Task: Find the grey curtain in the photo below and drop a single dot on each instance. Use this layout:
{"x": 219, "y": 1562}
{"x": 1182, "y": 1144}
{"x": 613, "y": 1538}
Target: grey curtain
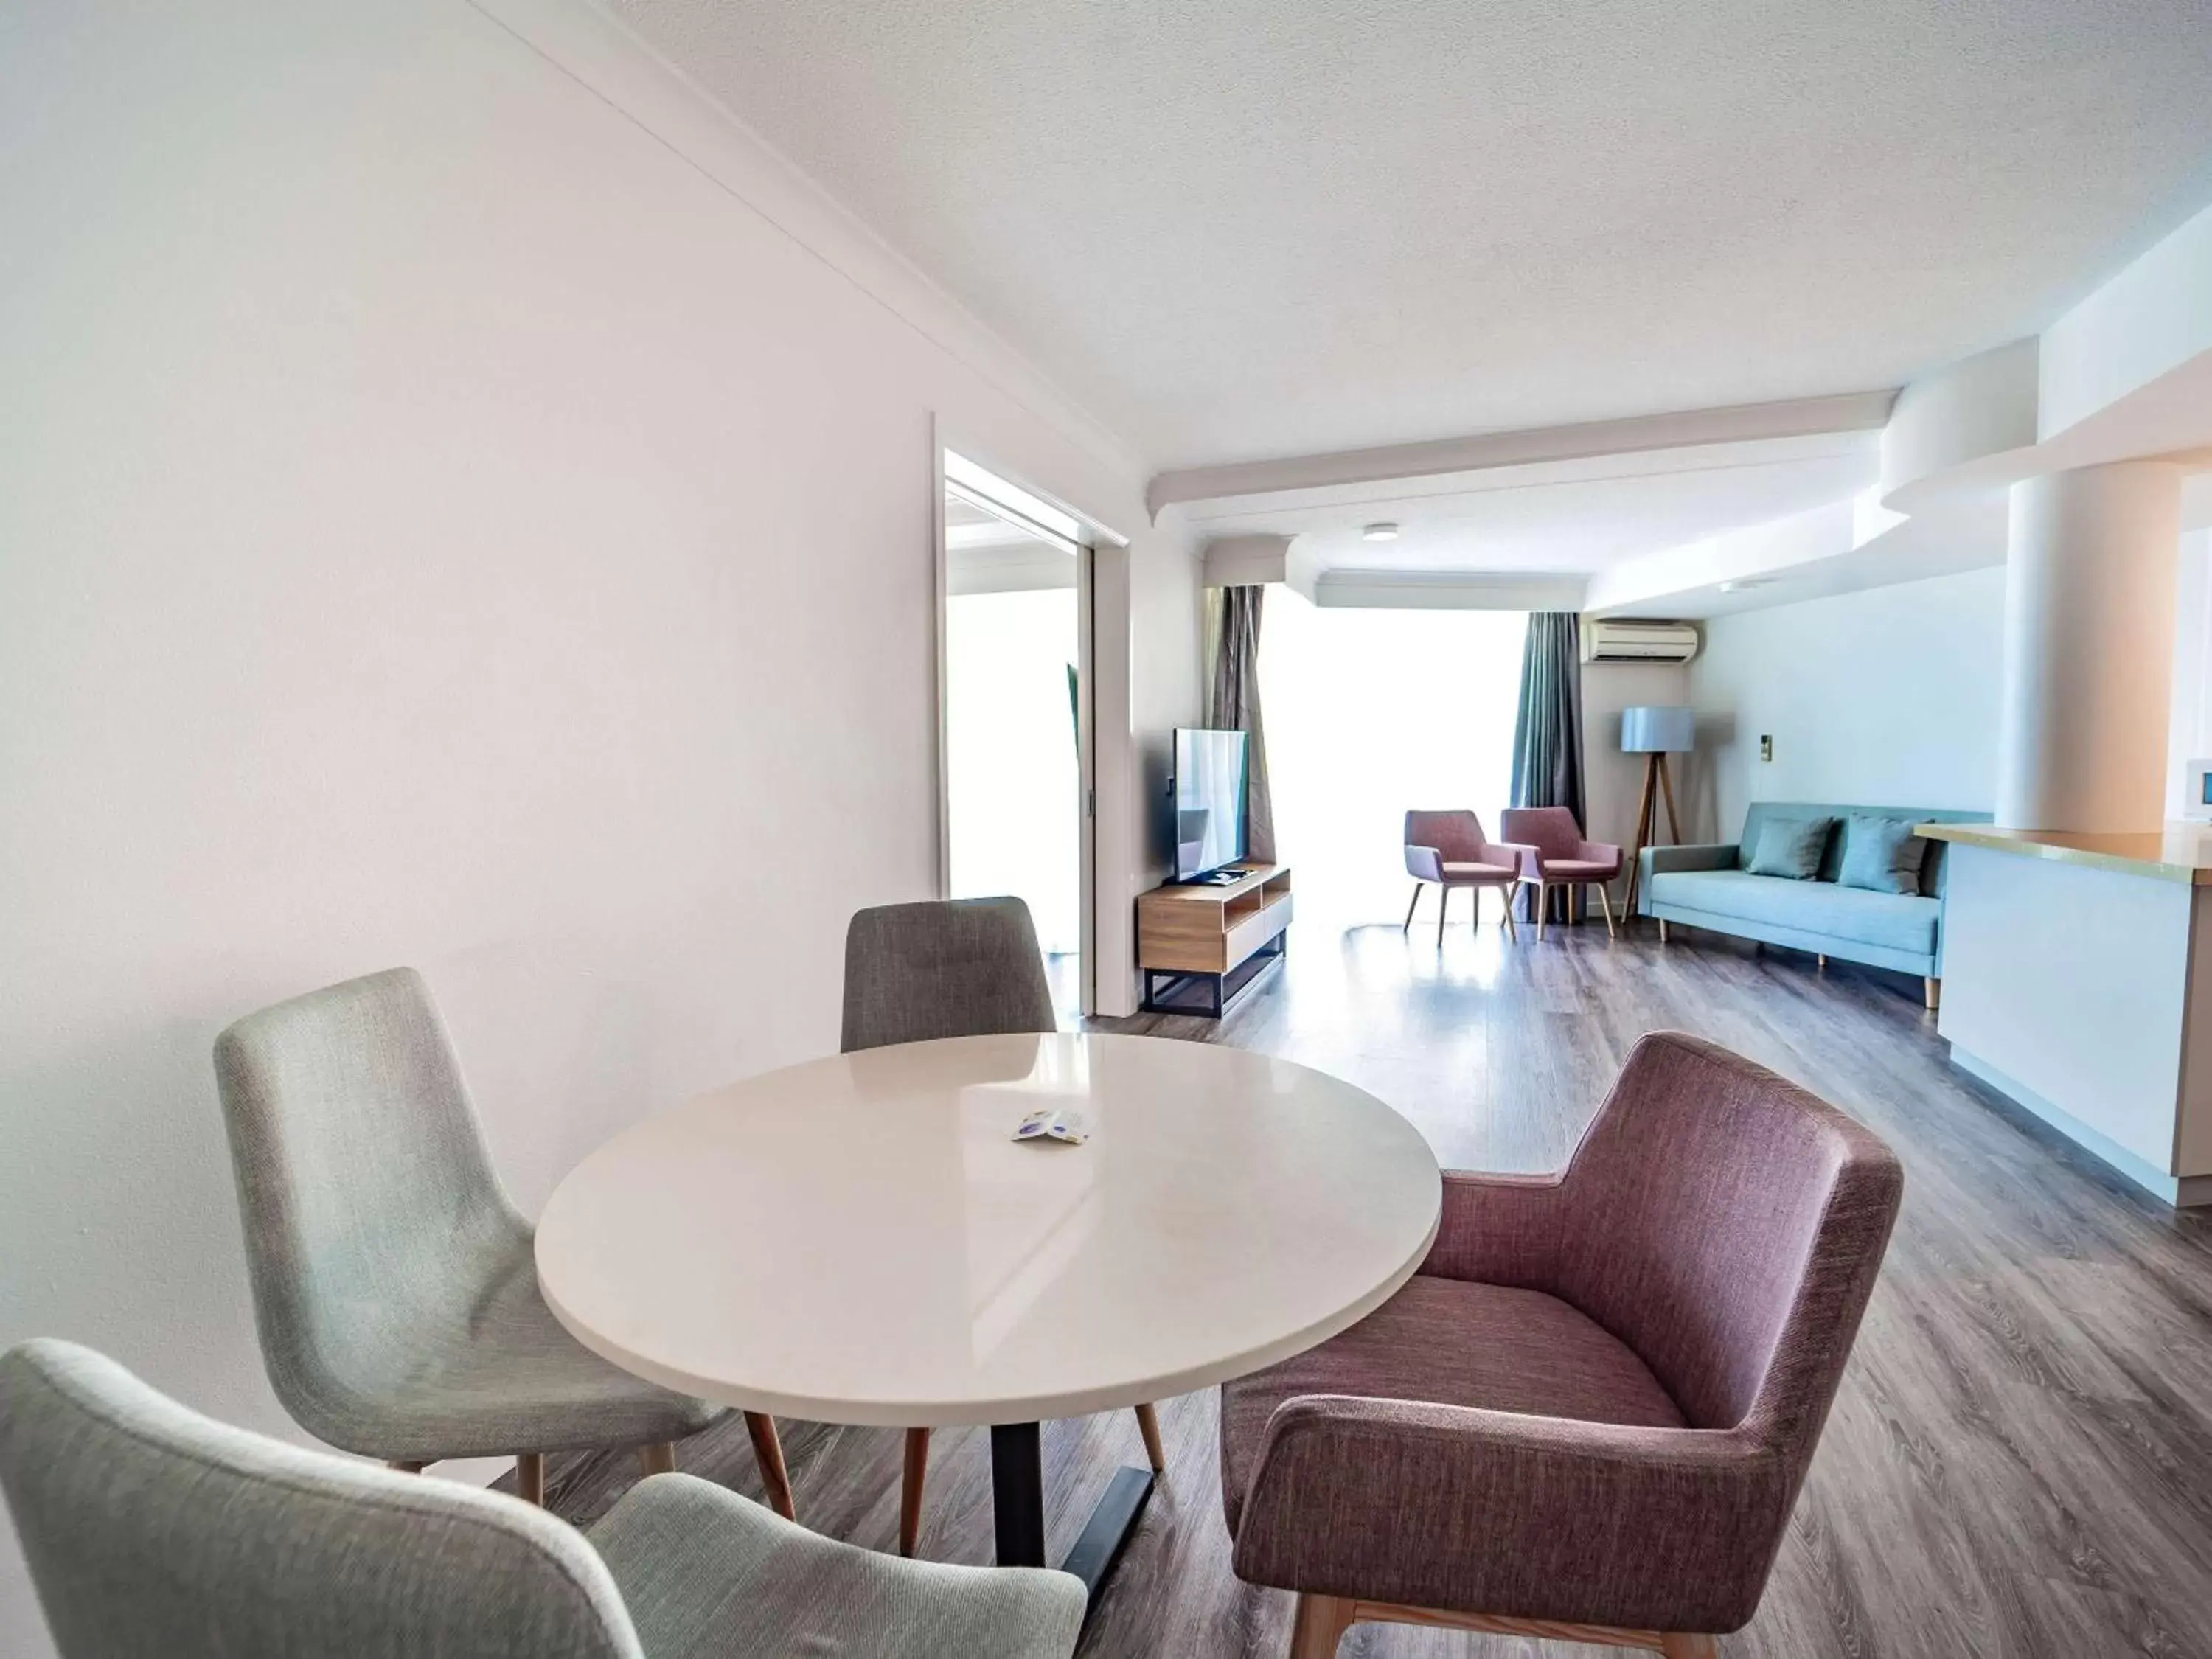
{"x": 1548, "y": 730}
{"x": 1233, "y": 705}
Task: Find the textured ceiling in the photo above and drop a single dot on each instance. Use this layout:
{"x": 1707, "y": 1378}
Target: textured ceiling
{"x": 1579, "y": 518}
{"x": 1240, "y": 228}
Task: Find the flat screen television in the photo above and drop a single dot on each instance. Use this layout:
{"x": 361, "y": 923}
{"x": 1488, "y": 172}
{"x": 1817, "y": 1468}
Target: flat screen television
{"x": 1209, "y": 801}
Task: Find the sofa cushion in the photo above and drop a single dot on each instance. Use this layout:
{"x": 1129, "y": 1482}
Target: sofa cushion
{"x": 1453, "y": 1343}
{"x": 1897, "y": 921}
{"x": 1791, "y": 848}
{"x": 1881, "y": 854}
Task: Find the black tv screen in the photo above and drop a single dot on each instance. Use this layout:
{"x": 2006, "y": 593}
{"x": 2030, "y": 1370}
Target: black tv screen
{"x": 1209, "y": 800}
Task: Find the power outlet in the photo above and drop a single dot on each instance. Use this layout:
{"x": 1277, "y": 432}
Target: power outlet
{"x": 1765, "y": 748}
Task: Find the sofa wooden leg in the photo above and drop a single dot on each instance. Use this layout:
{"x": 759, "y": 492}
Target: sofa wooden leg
{"x": 529, "y": 1477}
{"x": 1320, "y": 1626}
{"x": 1678, "y": 1644}
{"x": 1932, "y": 989}
{"x": 1822, "y": 963}
{"x": 1662, "y": 930}
{"x": 658, "y": 1458}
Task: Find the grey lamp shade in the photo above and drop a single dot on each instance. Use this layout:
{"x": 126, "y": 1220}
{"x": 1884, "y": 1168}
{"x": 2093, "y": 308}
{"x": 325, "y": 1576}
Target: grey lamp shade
{"x": 1666, "y": 729}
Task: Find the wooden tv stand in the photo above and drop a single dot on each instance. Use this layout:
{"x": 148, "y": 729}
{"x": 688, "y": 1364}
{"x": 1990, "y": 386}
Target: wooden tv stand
{"x": 1199, "y": 946}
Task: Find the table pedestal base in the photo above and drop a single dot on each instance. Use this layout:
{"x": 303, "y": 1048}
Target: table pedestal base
{"x": 1017, "y": 1509}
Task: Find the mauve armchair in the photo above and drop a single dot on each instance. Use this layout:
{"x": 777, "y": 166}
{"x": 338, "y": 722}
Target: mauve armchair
{"x": 1450, "y": 850}
{"x": 1587, "y": 1417}
{"x": 1558, "y": 856}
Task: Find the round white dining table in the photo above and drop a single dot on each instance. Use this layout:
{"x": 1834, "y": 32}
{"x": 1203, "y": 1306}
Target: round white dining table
{"x": 860, "y": 1239}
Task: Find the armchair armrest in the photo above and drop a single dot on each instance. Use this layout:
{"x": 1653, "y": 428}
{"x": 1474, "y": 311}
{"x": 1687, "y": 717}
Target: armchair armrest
{"x": 1597, "y": 851}
{"x": 1659, "y": 860}
{"x": 1423, "y": 863}
{"x": 1531, "y": 1517}
{"x": 1499, "y": 1229}
{"x": 1527, "y": 861}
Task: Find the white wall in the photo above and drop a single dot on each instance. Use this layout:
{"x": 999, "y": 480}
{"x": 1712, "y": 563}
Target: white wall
{"x": 440, "y": 522}
{"x": 1884, "y": 698}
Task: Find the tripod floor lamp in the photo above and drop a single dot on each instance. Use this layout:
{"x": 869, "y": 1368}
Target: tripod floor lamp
{"x": 1654, "y": 731}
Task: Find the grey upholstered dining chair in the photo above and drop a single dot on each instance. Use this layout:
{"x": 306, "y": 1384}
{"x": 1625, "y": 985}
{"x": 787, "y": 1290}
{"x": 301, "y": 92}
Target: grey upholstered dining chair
{"x": 1587, "y": 1415}
{"x": 949, "y": 968}
{"x": 1449, "y": 850}
{"x": 394, "y": 1287}
{"x": 1556, "y": 855}
{"x": 152, "y": 1533}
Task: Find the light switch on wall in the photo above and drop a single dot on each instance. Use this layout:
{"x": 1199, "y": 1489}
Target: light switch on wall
{"x": 1765, "y": 747}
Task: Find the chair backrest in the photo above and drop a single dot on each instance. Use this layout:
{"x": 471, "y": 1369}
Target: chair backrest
{"x": 943, "y": 968}
{"x": 1728, "y": 1226}
{"x": 152, "y": 1531}
{"x": 1457, "y": 835}
{"x": 1551, "y": 830}
{"x": 365, "y": 1189}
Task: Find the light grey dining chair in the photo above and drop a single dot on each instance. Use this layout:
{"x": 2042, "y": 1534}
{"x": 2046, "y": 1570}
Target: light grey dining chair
{"x": 394, "y": 1286}
{"x": 155, "y": 1533}
{"x": 949, "y": 968}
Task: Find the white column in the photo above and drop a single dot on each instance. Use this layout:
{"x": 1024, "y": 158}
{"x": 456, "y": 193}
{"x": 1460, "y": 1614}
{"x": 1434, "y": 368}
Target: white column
{"x": 2088, "y": 648}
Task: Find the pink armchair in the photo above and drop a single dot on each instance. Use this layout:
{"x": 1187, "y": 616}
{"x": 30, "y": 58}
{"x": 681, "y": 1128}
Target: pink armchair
{"x": 1587, "y": 1416}
{"x": 1558, "y": 856}
{"x": 1450, "y": 850}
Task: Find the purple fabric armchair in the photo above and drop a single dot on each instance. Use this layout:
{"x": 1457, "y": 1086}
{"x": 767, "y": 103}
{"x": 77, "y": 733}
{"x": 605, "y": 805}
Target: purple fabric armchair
{"x": 1558, "y": 856}
{"x": 1450, "y": 850}
{"x": 1587, "y": 1416}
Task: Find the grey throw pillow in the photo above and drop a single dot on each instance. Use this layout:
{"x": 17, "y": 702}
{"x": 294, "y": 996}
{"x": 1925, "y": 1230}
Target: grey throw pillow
{"x": 1790, "y": 848}
{"x": 1881, "y": 854}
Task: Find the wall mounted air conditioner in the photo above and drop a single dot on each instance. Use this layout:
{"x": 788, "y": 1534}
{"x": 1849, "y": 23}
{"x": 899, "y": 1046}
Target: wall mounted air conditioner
{"x": 1627, "y": 639}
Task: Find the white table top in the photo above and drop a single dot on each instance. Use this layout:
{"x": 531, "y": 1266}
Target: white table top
{"x": 858, "y": 1239}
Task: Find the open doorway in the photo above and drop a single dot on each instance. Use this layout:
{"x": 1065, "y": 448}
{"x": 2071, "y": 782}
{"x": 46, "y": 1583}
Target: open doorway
{"x": 1015, "y": 731}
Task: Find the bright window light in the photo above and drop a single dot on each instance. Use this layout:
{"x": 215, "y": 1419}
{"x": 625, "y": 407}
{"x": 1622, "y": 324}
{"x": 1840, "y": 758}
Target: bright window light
{"x": 1011, "y": 754}
{"x": 1368, "y": 714}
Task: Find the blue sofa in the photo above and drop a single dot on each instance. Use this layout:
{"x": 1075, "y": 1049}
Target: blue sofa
{"x": 1708, "y": 887}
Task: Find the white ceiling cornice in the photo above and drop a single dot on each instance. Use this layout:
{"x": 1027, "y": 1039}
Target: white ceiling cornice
{"x": 602, "y": 53}
{"x": 1855, "y": 411}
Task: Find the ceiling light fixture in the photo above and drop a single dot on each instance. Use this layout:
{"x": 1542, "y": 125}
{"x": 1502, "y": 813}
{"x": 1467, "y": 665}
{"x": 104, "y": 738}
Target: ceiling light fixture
{"x": 1385, "y": 532}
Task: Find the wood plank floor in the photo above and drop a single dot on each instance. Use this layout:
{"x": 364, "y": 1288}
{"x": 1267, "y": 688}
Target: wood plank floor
{"x": 2020, "y": 1462}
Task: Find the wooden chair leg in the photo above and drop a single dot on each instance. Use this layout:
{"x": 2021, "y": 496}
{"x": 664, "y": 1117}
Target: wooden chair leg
{"x": 1605, "y": 904}
{"x": 658, "y": 1458}
{"x": 911, "y": 1477}
{"x": 1511, "y": 932}
{"x": 1932, "y": 992}
{"x": 529, "y": 1477}
{"x": 1543, "y": 894}
{"x": 768, "y": 1452}
{"x": 1148, "y": 1425}
{"x": 1678, "y": 1644}
{"x": 1320, "y": 1626}
{"x": 1410, "y": 908}
{"x": 1444, "y": 901}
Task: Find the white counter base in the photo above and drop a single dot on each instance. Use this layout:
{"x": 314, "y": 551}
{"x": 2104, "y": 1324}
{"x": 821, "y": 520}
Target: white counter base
{"x": 2180, "y": 1191}
{"x": 2084, "y": 992}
